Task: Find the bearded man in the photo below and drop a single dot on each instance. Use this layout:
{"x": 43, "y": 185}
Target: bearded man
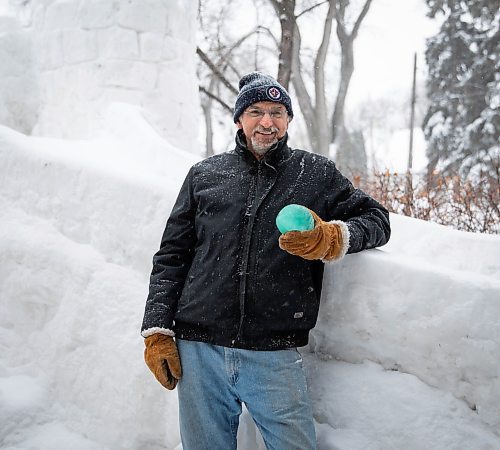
{"x": 231, "y": 298}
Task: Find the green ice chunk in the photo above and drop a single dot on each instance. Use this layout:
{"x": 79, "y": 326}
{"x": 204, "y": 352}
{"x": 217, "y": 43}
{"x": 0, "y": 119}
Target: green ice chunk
{"x": 294, "y": 218}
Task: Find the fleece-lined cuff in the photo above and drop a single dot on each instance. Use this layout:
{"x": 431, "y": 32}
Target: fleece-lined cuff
{"x": 155, "y": 330}
{"x": 344, "y": 231}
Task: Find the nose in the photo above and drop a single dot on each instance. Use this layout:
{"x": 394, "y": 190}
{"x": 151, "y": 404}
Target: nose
{"x": 266, "y": 120}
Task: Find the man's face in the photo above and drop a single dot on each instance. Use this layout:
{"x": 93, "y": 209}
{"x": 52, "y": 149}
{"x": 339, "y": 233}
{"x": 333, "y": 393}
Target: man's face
{"x": 263, "y": 124}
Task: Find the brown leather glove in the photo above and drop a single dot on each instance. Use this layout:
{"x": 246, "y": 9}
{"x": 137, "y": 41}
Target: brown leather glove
{"x": 324, "y": 241}
{"x": 162, "y": 358}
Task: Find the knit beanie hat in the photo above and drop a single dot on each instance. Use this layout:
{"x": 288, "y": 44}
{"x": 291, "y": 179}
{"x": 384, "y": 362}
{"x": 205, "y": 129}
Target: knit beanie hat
{"x": 259, "y": 87}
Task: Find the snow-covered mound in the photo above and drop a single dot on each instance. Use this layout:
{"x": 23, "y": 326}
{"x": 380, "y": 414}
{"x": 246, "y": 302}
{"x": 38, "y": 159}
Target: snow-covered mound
{"x": 79, "y": 224}
{"x": 415, "y": 313}
{"x": 405, "y": 350}
{"x": 430, "y": 308}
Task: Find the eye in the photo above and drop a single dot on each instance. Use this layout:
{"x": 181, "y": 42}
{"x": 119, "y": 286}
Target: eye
{"x": 255, "y": 113}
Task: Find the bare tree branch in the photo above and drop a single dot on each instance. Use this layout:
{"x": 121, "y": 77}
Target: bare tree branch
{"x": 216, "y": 98}
{"x": 340, "y": 7}
{"x": 311, "y": 8}
{"x": 215, "y": 70}
{"x": 362, "y": 15}
{"x": 339, "y": 18}
{"x": 224, "y": 58}
{"x": 270, "y": 33}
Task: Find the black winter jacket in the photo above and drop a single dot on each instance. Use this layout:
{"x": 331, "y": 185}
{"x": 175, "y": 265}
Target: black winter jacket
{"x": 220, "y": 276}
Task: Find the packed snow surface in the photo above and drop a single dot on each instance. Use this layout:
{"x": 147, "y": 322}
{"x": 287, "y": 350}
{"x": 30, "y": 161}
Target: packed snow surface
{"x": 404, "y": 355}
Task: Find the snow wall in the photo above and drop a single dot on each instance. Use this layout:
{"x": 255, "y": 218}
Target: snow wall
{"x": 80, "y": 221}
{"x": 19, "y": 90}
{"x": 72, "y": 58}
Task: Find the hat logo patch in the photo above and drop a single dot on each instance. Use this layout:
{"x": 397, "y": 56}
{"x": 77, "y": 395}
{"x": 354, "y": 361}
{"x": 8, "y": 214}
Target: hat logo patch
{"x": 273, "y": 93}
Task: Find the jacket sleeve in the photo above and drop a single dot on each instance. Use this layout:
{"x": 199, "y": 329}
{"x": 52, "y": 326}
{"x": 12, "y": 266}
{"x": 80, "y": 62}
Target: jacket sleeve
{"x": 366, "y": 220}
{"x": 171, "y": 264}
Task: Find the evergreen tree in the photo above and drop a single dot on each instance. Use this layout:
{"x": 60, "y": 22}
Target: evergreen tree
{"x": 463, "y": 121}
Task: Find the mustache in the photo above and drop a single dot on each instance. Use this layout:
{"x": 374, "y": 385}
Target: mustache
{"x": 261, "y": 129}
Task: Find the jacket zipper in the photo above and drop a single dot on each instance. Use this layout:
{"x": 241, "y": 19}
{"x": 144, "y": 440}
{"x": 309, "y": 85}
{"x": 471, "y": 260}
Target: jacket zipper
{"x": 252, "y": 207}
{"x": 250, "y": 211}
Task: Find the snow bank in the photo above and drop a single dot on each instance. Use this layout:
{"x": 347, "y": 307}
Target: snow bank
{"x": 363, "y": 406}
{"x": 112, "y": 193}
{"x": 80, "y": 222}
{"x": 415, "y": 316}
{"x": 70, "y": 338}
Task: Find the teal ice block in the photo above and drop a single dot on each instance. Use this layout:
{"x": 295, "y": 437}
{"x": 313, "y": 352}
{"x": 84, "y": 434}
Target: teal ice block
{"x": 294, "y": 218}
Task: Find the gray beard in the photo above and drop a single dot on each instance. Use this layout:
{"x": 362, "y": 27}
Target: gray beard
{"x": 260, "y": 149}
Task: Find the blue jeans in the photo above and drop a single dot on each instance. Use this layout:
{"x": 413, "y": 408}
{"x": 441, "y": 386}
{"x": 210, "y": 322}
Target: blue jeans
{"x": 217, "y": 380}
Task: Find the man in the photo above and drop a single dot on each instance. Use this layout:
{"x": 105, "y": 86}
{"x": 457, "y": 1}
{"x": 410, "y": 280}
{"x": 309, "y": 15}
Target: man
{"x": 238, "y": 297}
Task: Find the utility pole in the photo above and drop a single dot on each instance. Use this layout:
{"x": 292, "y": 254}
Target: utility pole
{"x": 412, "y": 113}
{"x": 409, "y": 179}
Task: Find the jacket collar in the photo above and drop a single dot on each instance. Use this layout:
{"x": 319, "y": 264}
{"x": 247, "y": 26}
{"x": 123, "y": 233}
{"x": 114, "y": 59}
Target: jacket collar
{"x": 276, "y": 154}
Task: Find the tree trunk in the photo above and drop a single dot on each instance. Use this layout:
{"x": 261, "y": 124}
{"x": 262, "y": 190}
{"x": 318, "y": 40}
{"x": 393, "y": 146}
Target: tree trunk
{"x": 322, "y": 128}
{"x": 285, "y": 10}
{"x": 315, "y": 116}
{"x": 347, "y": 61}
{"x": 206, "y": 106}
{"x": 303, "y": 98}
{"x": 207, "y": 113}
{"x": 346, "y": 70}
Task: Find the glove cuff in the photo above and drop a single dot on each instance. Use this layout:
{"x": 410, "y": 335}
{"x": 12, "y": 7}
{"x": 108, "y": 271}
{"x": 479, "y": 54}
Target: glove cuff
{"x": 344, "y": 231}
{"x": 157, "y": 330}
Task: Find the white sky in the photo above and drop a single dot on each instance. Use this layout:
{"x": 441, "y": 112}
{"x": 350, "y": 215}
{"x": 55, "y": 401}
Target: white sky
{"x": 392, "y": 31}
{"x": 389, "y": 35}
{"x": 4, "y": 7}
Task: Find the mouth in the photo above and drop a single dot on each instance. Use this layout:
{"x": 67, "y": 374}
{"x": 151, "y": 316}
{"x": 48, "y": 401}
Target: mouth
{"x": 266, "y": 132}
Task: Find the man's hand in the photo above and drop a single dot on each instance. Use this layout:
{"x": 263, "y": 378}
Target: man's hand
{"x": 325, "y": 241}
{"x": 162, "y": 358}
